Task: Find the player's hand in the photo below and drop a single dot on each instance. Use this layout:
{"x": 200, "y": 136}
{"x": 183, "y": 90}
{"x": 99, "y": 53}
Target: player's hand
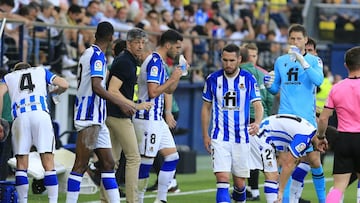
{"x": 280, "y": 196}
{"x": 177, "y": 73}
{"x": 127, "y": 109}
{"x": 298, "y": 56}
{"x": 207, "y": 143}
{"x": 269, "y": 79}
{"x": 144, "y": 106}
{"x": 2, "y": 133}
{"x": 321, "y": 144}
{"x": 253, "y": 128}
{"x": 170, "y": 120}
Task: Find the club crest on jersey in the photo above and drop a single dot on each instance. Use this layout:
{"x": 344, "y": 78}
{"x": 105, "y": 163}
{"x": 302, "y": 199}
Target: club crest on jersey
{"x": 154, "y": 71}
{"x": 300, "y": 147}
{"x": 242, "y": 86}
{"x": 98, "y": 65}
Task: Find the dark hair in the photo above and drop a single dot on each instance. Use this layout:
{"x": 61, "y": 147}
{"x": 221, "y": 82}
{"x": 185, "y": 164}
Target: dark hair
{"x": 10, "y": 3}
{"x": 297, "y": 28}
{"x": 232, "y": 48}
{"x": 120, "y": 45}
{"x": 189, "y": 9}
{"x": 244, "y": 53}
{"x": 3, "y": 72}
{"x": 352, "y": 58}
{"x": 311, "y": 41}
{"x": 171, "y": 36}
{"x": 74, "y": 9}
{"x": 104, "y": 30}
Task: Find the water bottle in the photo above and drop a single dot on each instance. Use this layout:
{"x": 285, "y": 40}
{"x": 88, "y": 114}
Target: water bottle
{"x": 293, "y": 49}
{"x": 183, "y": 65}
{"x": 55, "y": 97}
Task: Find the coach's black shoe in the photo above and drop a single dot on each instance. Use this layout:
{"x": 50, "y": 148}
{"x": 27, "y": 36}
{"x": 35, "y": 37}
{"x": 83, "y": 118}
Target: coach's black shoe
{"x": 301, "y": 200}
{"x": 257, "y": 198}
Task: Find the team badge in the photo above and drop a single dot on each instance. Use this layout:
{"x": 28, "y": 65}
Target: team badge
{"x": 98, "y": 65}
{"x": 300, "y": 147}
{"x": 154, "y": 71}
{"x": 241, "y": 86}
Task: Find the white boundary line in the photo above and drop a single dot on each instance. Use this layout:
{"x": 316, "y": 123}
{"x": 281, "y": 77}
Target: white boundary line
{"x": 203, "y": 191}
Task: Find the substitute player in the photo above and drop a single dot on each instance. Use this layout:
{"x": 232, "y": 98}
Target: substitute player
{"x": 27, "y": 87}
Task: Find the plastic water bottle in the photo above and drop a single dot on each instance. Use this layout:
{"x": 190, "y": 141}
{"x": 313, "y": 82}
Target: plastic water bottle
{"x": 292, "y": 50}
{"x": 183, "y": 65}
{"x": 55, "y": 97}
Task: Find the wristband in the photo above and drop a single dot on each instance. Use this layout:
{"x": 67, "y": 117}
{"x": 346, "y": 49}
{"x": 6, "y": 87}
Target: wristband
{"x": 321, "y": 138}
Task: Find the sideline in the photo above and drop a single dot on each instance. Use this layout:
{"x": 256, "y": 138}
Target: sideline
{"x": 202, "y": 191}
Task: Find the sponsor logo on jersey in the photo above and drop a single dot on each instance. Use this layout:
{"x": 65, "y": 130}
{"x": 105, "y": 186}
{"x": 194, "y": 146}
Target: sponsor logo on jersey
{"x": 300, "y": 147}
{"x": 98, "y": 65}
{"x": 154, "y": 71}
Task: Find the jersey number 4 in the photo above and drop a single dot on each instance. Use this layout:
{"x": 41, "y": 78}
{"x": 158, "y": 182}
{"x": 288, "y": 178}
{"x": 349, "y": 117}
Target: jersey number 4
{"x": 26, "y": 82}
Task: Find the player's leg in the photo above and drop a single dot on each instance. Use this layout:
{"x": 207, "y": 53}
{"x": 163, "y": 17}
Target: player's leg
{"x": 107, "y": 164}
{"x": 22, "y": 141}
{"x": 21, "y": 177}
{"x": 269, "y": 162}
{"x": 171, "y": 158}
{"x": 108, "y": 179}
{"x": 222, "y": 164}
{"x": 50, "y": 178}
{"x": 44, "y": 141}
{"x": 149, "y": 141}
{"x": 85, "y": 144}
{"x": 240, "y": 169}
{"x": 297, "y": 183}
{"x": 317, "y": 175}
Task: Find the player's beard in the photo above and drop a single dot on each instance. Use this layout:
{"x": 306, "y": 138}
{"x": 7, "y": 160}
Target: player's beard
{"x": 230, "y": 72}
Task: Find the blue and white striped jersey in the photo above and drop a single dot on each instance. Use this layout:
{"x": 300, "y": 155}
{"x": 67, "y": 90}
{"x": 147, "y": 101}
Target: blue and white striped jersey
{"x": 281, "y": 129}
{"x": 88, "y": 105}
{"x": 28, "y": 89}
{"x": 231, "y": 99}
{"x": 153, "y": 70}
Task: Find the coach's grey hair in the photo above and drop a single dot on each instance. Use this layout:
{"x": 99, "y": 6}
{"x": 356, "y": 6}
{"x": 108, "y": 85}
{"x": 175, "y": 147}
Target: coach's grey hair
{"x": 136, "y": 33}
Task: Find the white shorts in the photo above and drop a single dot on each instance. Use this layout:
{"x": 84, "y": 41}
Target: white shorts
{"x": 262, "y": 155}
{"x": 103, "y": 140}
{"x": 231, "y": 157}
{"x": 154, "y": 136}
{"x": 33, "y": 128}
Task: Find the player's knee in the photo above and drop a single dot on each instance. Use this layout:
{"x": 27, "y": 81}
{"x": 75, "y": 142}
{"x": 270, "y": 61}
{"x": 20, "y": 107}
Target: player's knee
{"x": 272, "y": 176}
{"x": 108, "y": 165}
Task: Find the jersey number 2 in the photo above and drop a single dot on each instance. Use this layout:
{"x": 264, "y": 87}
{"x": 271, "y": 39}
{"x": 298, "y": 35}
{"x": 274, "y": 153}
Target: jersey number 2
{"x": 26, "y": 82}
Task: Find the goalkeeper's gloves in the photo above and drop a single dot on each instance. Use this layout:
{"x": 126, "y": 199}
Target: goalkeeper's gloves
{"x": 295, "y": 52}
{"x": 269, "y": 79}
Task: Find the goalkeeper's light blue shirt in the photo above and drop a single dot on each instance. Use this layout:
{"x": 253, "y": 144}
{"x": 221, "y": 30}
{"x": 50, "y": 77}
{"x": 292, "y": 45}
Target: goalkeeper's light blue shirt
{"x": 297, "y": 86}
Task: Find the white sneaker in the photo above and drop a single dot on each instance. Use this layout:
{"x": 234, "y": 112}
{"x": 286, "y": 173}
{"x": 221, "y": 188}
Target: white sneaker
{"x": 68, "y": 62}
{"x": 68, "y": 74}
